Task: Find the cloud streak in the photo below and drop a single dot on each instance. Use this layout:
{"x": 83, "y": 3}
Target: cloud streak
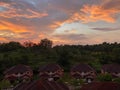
{"x": 12, "y": 10}
{"x": 106, "y": 29}
{"x": 93, "y": 13}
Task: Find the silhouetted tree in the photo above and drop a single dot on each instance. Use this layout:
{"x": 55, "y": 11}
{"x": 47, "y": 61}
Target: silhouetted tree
{"x": 10, "y": 46}
{"x": 46, "y": 43}
{"x": 29, "y": 44}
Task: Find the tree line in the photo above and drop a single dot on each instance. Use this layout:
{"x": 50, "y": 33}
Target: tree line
{"x": 34, "y": 55}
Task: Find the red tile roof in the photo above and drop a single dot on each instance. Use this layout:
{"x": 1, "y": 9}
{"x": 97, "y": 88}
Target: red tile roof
{"x": 18, "y": 69}
{"x": 11, "y": 78}
{"x": 76, "y": 75}
{"x": 111, "y": 68}
{"x": 50, "y": 68}
{"x": 42, "y": 85}
{"x": 101, "y": 86}
{"x": 22, "y": 86}
{"x": 81, "y": 68}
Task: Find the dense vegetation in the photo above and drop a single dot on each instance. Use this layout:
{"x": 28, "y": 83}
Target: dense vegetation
{"x": 32, "y": 54}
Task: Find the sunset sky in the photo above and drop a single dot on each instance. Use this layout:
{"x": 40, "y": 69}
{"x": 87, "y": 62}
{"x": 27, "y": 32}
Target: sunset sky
{"x": 62, "y": 21}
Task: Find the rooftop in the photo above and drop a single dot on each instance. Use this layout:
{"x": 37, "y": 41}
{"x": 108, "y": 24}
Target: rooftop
{"x": 50, "y": 68}
{"x": 18, "y": 69}
{"x": 101, "y": 86}
{"x": 42, "y": 85}
{"x": 81, "y": 68}
{"x": 111, "y": 68}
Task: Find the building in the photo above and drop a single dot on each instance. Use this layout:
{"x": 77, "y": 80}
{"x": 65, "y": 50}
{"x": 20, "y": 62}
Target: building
{"x": 50, "y": 72}
{"x": 41, "y": 85}
{"x": 101, "y": 86}
{"x": 18, "y": 72}
{"x": 83, "y": 71}
{"x": 113, "y": 69}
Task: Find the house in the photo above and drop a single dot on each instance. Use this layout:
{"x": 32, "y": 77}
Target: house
{"x": 113, "y": 69}
{"x": 21, "y": 72}
{"x": 83, "y": 71}
{"x": 101, "y": 86}
{"x": 41, "y": 85}
{"x": 50, "y": 72}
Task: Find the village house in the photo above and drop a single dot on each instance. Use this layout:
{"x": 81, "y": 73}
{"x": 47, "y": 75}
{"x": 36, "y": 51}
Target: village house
{"x": 83, "y": 71}
{"x": 42, "y": 85}
{"x": 101, "y": 86}
{"x": 50, "y": 72}
{"x": 113, "y": 69}
{"x": 21, "y": 72}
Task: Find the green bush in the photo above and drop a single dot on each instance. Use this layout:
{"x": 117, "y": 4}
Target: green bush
{"x": 4, "y": 84}
{"x": 116, "y": 80}
{"x": 66, "y": 78}
{"x": 104, "y": 77}
{"x": 77, "y": 82}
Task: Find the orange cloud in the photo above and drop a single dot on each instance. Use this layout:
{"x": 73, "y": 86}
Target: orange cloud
{"x": 4, "y": 25}
{"x": 9, "y": 31}
{"x": 56, "y": 24}
{"x": 11, "y": 12}
{"x": 16, "y": 36}
{"x": 42, "y": 35}
{"x": 35, "y": 14}
{"x": 3, "y": 39}
{"x": 4, "y": 4}
{"x": 94, "y": 13}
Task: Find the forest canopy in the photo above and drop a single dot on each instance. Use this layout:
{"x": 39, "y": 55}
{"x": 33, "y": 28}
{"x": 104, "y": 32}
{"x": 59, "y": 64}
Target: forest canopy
{"x": 34, "y": 55}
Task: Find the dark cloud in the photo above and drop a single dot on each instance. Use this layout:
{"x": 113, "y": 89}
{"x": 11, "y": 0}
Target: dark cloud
{"x": 6, "y": 1}
{"x": 25, "y": 33}
{"x": 71, "y": 37}
{"x": 106, "y": 29}
{"x": 112, "y": 4}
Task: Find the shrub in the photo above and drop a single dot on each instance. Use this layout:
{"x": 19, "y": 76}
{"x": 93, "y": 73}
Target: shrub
{"x": 4, "y": 84}
{"x": 104, "y": 77}
{"x": 116, "y": 80}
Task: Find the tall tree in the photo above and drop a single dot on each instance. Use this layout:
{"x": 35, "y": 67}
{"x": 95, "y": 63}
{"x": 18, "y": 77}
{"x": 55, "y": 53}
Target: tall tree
{"x": 46, "y": 43}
